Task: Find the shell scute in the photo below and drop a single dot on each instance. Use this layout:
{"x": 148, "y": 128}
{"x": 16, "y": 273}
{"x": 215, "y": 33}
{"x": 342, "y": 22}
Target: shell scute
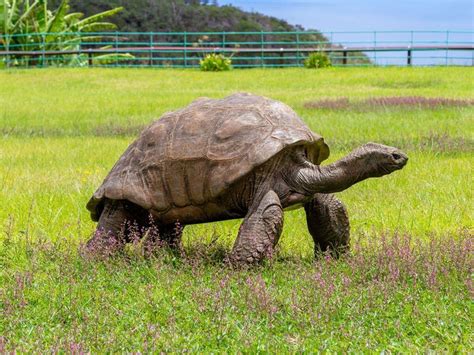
{"x": 191, "y": 156}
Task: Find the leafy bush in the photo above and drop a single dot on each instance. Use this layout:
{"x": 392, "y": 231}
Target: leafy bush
{"x": 215, "y": 62}
{"x": 32, "y": 26}
{"x": 317, "y": 60}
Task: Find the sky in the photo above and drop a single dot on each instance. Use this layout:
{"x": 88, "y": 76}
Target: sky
{"x": 367, "y": 15}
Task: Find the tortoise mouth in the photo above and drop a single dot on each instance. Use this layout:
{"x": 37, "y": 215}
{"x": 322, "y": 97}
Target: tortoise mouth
{"x": 400, "y": 159}
{"x": 399, "y": 164}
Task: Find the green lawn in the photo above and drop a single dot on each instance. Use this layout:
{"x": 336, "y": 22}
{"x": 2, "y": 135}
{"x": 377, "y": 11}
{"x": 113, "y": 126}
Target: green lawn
{"x": 406, "y": 287}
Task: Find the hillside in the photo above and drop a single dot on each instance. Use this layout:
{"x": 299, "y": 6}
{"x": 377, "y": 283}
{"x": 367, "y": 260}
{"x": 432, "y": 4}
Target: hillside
{"x": 181, "y": 15}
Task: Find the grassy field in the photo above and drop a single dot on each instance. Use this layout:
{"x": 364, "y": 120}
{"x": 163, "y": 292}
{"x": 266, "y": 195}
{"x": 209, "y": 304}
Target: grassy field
{"x": 407, "y": 285}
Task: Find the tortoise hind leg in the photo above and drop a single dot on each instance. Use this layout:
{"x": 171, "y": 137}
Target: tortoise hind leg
{"x": 260, "y": 231}
{"x": 163, "y": 235}
{"x": 328, "y": 224}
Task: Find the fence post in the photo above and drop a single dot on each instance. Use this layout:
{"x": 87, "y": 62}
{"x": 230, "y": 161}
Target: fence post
{"x": 447, "y": 45}
{"x": 90, "y": 61}
{"x": 43, "y": 50}
{"x": 79, "y": 54}
{"x": 262, "y": 64}
{"x": 344, "y": 58}
{"x": 185, "y": 53}
{"x": 116, "y": 49}
{"x": 298, "y": 54}
{"x": 223, "y": 45}
{"x": 151, "y": 49}
{"x": 375, "y": 46}
{"x": 7, "y": 47}
{"x": 409, "y": 57}
{"x": 331, "y": 54}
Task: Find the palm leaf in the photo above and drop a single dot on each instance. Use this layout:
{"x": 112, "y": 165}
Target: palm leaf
{"x": 99, "y": 16}
{"x": 57, "y": 22}
{"x": 84, "y": 39}
{"x": 13, "y": 9}
{"x": 98, "y": 27}
{"x": 57, "y": 29}
{"x": 73, "y": 16}
{"x": 112, "y": 58}
{"x": 29, "y": 12}
{"x": 3, "y": 16}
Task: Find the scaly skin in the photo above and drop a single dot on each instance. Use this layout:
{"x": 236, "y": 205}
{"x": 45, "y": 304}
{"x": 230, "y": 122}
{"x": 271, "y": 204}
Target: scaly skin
{"x": 328, "y": 224}
{"x": 260, "y": 231}
{"x": 285, "y": 181}
{"x": 243, "y": 156}
{"x": 123, "y": 222}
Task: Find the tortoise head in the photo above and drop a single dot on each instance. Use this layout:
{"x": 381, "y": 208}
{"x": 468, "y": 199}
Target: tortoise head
{"x": 380, "y": 159}
{"x": 367, "y": 161}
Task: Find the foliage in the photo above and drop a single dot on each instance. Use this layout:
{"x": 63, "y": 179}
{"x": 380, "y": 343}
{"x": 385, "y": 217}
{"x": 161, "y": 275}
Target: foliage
{"x": 317, "y": 60}
{"x": 181, "y": 15}
{"x": 215, "y": 62}
{"x": 406, "y": 288}
{"x": 194, "y": 16}
{"x": 31, "y": 26}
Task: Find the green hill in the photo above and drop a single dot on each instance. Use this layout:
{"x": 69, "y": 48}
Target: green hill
{"x": 182, "y": 15}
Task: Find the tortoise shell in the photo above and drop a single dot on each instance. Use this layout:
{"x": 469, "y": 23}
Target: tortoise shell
{"x": 192, "y": 155}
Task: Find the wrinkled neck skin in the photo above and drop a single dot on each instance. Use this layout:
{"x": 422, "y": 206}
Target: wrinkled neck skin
{"x": 296, "y": 180}
{"x": 336, "y": 177}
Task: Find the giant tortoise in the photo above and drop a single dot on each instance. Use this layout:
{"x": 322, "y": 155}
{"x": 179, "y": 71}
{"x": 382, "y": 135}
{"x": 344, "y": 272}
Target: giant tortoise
{"x": 244, "y": 156}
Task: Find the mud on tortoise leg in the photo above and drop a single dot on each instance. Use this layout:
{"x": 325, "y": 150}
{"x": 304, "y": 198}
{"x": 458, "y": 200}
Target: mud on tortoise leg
{"x": 328, "y": 224}
{"x": 259, "y": 232}
{"x": 120, "y": 222}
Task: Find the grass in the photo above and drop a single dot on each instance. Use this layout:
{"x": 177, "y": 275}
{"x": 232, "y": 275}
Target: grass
{"x": 407, "y": 286}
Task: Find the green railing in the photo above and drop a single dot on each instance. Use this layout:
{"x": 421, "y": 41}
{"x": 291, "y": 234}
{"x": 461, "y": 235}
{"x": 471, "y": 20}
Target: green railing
{"x": 247, "y": 49}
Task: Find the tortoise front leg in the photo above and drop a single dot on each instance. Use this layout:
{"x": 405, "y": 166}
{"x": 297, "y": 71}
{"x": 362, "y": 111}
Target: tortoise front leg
{"x": 260, "y": 231}
{"x": 109, "y": 236}
{"x": 121, "y": 222}
{"x": 328, "y": 224}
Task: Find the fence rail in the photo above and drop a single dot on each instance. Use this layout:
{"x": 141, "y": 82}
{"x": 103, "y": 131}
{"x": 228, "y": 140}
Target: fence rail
{"x": 248, "y": 49}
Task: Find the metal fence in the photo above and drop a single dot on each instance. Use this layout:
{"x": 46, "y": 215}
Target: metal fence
{"x": 247, "y": 49}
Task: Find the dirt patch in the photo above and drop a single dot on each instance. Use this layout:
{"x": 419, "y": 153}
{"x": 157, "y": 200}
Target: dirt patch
{"x": 442, "y": 143}
{"x": 434, "y": 142}
{"x": 107, "y": 130}
{"x": 30, "y": 132}
{"x": 390, "y": 101}
{"x": 407, "y": 84}
{"x": 117, "y": 130}
{"x": 329, "y": 104}
{"x": 417, "y": 101}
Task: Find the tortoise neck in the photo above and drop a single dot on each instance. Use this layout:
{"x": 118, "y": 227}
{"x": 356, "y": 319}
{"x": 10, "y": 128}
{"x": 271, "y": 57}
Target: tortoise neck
{"x": 334, "y": 177}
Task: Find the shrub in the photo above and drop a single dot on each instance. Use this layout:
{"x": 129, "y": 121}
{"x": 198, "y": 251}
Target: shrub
{"x": 34, "y": 26}
{"x": 215, "y": 62}
{"x": 317, "y": 60}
